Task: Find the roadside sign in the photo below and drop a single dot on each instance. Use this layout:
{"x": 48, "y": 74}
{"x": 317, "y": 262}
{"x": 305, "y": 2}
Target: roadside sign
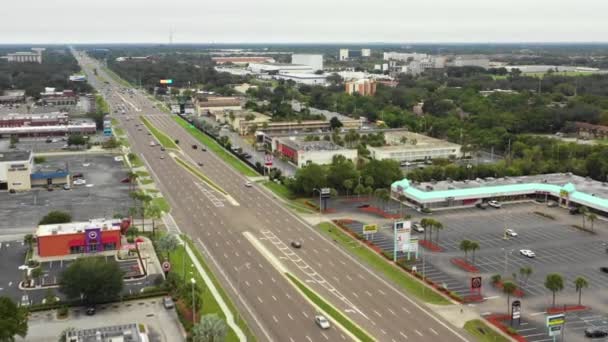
{"x": 169, "y": 81}
{"x": 555, "y": 320}
{"x": 476, "y": 282}
{"x": 556, "y": 330}
{"x": 370, "y": 229}
{"x": 166, "y": 266}
{"x": 268, "y": 160}
{"x": 325, "y": 192}
{"x": 516, "y": 310}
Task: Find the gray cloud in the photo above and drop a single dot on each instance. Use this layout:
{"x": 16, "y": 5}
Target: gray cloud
{"x": 78, "y": 21}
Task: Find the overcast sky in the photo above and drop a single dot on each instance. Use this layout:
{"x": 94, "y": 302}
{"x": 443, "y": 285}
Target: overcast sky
{"x": 204, "y": 21}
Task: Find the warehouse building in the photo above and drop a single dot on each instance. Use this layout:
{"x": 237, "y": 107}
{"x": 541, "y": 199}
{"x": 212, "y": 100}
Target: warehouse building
{"x": 313, "y": 61}
{"x": 93, "y": 236}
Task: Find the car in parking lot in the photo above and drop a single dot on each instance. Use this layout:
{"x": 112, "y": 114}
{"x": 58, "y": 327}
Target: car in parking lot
{"x": 552, "y": 204}
{"x": 482, "y": 205}
{"x": 80, "y": 181}
{"x": 200, "y": 163}
{"x": 604, "y": 269}
{"x": 90, "y": 311}
{"x": 510, "y": 232}
{"x": 527, "y": 253}
{"x": 595, "y": 332}
{"x": 417, "y": 227}
{"x": 168, "y": 302}
{"x": 494, "y": 204}
{"x": 322, "y": 322}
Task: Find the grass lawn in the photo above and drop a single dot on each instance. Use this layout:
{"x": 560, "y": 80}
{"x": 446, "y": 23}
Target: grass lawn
{"x": 116, "y": 78}
{"x": 283, "y": 192}
{"x": 142, "y": 174}
{"x": 216, "y": 148}
{"x": 164, "y": 139}
{"x": 162, "y": 203}
{"x": 483, "y": 332}
{"x": 331, "y": 311}
{"x": 403, "y": 280}
{"x": 135, "y": 161}
{"x": 181, "y": 262}
{"x": 118, "y": 131}
{"x": 200, "y": 175}
{"x": 146, "y": 181}
{"x": 242, "y": 324}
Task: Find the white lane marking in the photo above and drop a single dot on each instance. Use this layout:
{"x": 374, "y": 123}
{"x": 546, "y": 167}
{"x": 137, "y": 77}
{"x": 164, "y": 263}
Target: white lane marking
{"x": 418, "y": 332}
{"x": 305, "y": 314}
{"x": 290, "y": 317}
{"x": 402, "y": 334}
{"x": 275, "y": 319}
{"x": 260, "y": 300}
{"x": 377, "y": 313}
{"x": 433, "y": 331}
{"x": 391, "y": 311}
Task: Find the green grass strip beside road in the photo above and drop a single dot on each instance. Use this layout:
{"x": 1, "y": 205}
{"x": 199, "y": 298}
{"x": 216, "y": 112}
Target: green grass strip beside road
{"x": 283, "y": 192}
{"x": 212, "y": 145}
{"x": 240, "y": 321}
{"x": 334, "y": 314}
{"x": 163, "y": 139}
{"x": 116, "y": 78}
{"x": 377, "y": 263}
{"x": 482, "y": 332}
{"x": 200, "y": 175}
{"x": 181, "y": 263}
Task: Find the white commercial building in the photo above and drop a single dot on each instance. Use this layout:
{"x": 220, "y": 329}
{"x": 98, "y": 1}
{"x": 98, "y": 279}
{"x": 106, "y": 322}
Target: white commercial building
{"x": 277, "y": 68}
{"x": 404, "y": 57}
{"x": 26, "y": 57}
{"x": 470, "y": 60}
{"x": 409, "y": 146}
{"x": 15, "y": 170}
{"x": 302, "y": 78}
{"x": 313, "y": 61}
{"x": 343, "y": 55}
{"x": 366, "y": 52}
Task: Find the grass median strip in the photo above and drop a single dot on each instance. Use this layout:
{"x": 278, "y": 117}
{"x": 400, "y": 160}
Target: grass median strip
{"x": 283, "y": 192}
{"x": 483, "y": 332}
{"x": 200, "y": 175}
{"x": 212, "y": 145}
{"x": 162, "y": 138}
{"x": 403, "y": 280}
{"x": 239, "y": 320}
{"x": 334, "y": 314}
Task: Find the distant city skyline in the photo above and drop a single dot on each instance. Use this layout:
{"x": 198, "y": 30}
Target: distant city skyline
{"x": 297, "y": 21}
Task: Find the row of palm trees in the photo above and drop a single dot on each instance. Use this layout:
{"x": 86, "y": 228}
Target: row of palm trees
{"x": 554, "y": 282}
{"x": 469, "y": 246}
{"x": 587, "y": 216}
{"x": 430, "y": 224}
{"x": 142, "y": 202}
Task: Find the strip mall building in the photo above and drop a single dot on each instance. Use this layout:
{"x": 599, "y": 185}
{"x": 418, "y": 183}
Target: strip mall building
{"x": 96, "y": 235}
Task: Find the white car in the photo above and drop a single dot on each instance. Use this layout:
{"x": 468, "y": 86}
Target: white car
{"x": 510, "y": 232}
{"x": 80, "y": 181}
{"x": 526, "y": 252}
{"x": 417, "y": 227}
{"x": 494, "y": 204}
{"x": 248, "y": 184}
{"x": 322, "y": 322}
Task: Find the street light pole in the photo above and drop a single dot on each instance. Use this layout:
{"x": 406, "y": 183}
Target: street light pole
{"x": 193, "y": 281}
{"x": 320, "y": 207}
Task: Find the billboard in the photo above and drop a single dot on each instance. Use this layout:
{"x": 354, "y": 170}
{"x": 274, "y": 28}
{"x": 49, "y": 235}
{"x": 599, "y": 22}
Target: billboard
{"x": 167, "y": 81}
{"x": 370, "y": 229}
{"x": 403, "y": 234}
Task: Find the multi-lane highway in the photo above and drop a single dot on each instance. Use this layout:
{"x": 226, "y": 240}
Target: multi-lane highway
{"x": 275, "y": 310}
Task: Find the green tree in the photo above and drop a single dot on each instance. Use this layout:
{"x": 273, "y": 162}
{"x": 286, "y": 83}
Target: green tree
{"x": 554, "y": 283}
{"x": 335, "y": 123}
{"x": 425, "y": 224}
{"x": 591, "y": 217}
{"x": 495, "y": 279}
{"x": 36, "y": 273}
{"x": 348, "y": 185}
{"x": 359, "y": 189}
{"x": 508, "y": 288}
{"x": 29, "y": 240}
{"x": 473, "y": 246}
{"x": 211, "y": 328}
{"x": 465, "y": 246}
{"x": 584, "y": 211}
{"x": 13, "y": 320}
{"x": 580, "y": 283}
{"x": 92, "y": 279}
{"x": 56, "y": 217}
{"x": 439, "y": 226}
{"x": 525, "y": 273}
{"x": 76, "y": 139}
{"x": 168, "y": 244}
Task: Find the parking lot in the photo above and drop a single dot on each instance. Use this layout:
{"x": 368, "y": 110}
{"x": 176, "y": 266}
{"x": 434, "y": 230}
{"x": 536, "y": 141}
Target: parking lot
{"x": 103, "y": 196}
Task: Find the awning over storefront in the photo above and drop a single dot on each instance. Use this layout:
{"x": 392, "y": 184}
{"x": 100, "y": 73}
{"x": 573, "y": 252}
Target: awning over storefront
{"x": 109, "y": 239}
{"x": 76, "y": 242}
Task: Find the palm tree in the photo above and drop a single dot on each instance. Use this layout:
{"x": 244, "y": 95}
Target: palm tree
{"x": 154, "y": 212}
{"x": 508, "y": 288}
{"x": 425, "y": 224}
{"x": 438, "y": 226}
{"x": 495, "y": 279}
{"x": 473, "y": 246}
{"x": 401, "y": 198}
{"x": 591, "y": 217}
{"x": 584, "y": 212}
{"x": 525, "y": 273}
{"x": 132, "y": 176}
{"x": 28, "y": 239}
{"x": 554, "y": 283}
{"x": 580, "y": 283}
{"x": 465, "y": 246}
{"x": 211, "y": 328}
{"x": 348, "y": 184}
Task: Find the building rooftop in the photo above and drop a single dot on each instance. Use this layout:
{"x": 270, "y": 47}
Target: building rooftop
{"x": 584, "y": 191}
{"x": 77, "y": 227}
{"x": 10, "y": 156}
{"x": 302, "y": 145}
{"x": 13, "y": 92}
{"x": 404, "y": 140}
{"x": 116, "y": 333}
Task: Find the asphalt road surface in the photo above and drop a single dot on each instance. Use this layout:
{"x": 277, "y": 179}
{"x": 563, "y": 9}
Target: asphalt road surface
{"x": 273, "y": 307}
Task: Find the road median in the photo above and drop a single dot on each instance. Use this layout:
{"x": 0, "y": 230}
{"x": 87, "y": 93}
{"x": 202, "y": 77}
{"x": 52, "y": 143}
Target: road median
{"x": 162, "y": 138}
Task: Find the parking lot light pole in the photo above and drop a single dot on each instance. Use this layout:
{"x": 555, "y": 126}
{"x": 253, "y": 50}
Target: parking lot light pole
{"x": 319, "y": 190}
